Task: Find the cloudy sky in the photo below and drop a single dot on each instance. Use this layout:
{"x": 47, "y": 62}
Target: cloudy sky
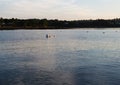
{"x": 60, "y": 9}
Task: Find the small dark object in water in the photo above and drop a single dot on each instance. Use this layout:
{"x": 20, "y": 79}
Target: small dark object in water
{"x": 49, "y": 36}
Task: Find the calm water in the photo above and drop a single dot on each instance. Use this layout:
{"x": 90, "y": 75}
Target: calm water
{"x": 72, "y": 57}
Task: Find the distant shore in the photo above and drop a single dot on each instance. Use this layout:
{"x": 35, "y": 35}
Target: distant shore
{"x": 52, "y": 28}
{"x": 43, "y": 24}
{"x": 31, "y": 28}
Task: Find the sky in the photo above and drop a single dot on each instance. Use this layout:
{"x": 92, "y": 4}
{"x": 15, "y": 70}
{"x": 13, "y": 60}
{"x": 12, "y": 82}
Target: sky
{"x": 60, "y": 9}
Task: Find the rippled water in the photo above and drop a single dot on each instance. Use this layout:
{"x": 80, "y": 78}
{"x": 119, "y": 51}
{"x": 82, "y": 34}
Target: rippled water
{"x": 72, "y": 57}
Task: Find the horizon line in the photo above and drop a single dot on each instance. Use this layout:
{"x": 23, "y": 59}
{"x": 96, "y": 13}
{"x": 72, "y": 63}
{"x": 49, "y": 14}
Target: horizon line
{"x": 58, "y": 19}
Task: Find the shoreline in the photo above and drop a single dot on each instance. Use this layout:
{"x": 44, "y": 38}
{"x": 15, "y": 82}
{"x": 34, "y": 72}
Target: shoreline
{"x": 54, "y": 28}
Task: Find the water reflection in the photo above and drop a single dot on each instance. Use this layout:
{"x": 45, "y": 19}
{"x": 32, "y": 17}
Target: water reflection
{"x": 74, "y": 57}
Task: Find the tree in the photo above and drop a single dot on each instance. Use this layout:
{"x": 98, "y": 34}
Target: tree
{"x": 1, "y": 22}
{"x": 44, "y": 23}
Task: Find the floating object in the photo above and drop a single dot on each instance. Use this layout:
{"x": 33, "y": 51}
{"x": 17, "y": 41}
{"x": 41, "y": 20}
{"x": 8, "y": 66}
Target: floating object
{"x": 50, "y": 36}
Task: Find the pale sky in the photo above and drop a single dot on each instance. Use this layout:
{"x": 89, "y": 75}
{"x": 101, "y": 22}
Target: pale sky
{"x": 60, "y": 9}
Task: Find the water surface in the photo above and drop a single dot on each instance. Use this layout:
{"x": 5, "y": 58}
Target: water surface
{"x": 72, "y": 57}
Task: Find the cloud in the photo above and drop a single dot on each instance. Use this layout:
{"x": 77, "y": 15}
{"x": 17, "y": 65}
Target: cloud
{"x": 59, "y": 9}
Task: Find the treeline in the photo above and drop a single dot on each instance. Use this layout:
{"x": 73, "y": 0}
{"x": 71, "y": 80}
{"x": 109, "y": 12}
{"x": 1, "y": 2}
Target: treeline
{"x": 15, "y": 23}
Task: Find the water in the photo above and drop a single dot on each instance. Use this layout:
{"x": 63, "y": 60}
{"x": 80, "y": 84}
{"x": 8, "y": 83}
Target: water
{"x": 72, "y": 57}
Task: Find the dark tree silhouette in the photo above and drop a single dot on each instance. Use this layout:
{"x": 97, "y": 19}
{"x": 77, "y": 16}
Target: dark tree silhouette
{"x": 15, "y": 23}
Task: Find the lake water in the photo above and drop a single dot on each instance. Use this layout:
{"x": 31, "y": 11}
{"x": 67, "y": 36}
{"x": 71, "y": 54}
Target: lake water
{"x": 72, "y": 57}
